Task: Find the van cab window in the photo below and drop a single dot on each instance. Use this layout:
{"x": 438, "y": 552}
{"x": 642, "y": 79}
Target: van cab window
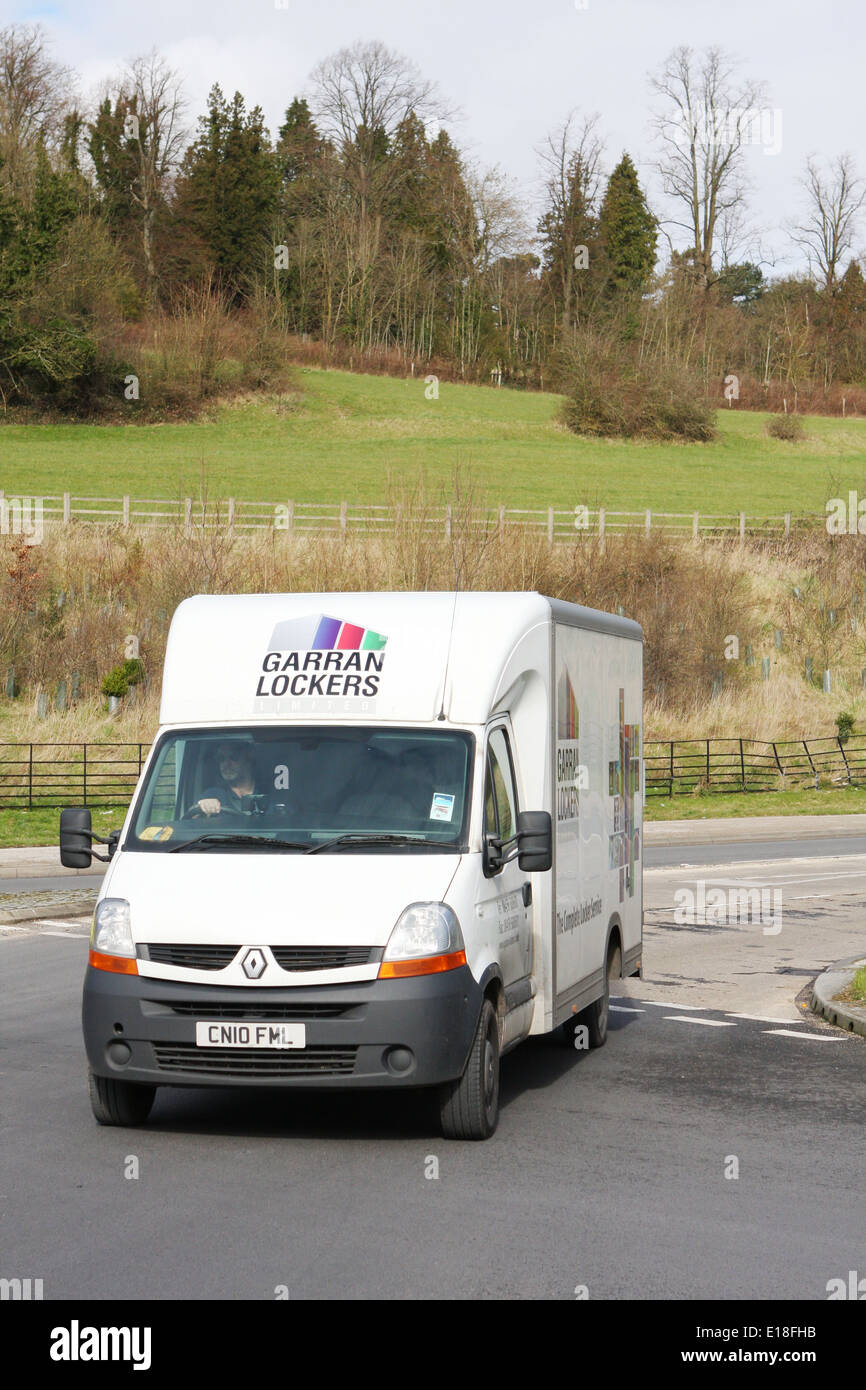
{"x": 500, "y": 795}
{"x": 301, "y": 786}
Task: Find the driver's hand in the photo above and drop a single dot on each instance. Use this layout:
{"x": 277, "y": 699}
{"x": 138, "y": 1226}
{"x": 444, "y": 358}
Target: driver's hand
{"x": 210, "y": 805}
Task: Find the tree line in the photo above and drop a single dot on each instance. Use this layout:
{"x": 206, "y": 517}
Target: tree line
{"x": 133, "y": 246}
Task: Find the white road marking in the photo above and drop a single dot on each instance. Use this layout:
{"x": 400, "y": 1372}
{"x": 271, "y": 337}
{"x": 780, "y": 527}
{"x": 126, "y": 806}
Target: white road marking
{"x": 621, "y": 1009}
{"x": 762, "y": 1018}
{"x": 54, "y": 922}
{"x": 672, "y": 1004}
{"x": 707, "y": 1022}
{"x": 75, "y": 935}
{"x": 789, "y": 1033}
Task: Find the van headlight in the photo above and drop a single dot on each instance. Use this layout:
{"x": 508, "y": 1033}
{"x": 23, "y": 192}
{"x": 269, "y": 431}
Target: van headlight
{"x": 426, "y": 940}
{"x": 111, "y": 933}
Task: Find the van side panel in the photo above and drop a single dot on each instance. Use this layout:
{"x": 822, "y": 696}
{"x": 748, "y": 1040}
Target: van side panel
{"x": 597, "y": 811}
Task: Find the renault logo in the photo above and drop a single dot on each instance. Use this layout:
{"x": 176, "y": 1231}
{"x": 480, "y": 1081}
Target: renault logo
{"x": 254, "y": 964}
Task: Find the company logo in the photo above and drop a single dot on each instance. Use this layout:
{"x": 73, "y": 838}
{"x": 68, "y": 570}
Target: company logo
{"x": 320, "y": 655}
{"x": 254, "y": 964}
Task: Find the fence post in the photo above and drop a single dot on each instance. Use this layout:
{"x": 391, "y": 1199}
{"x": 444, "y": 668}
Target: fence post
{"x": 344, "y": 507}
{"x": 787, "y": 523}
{"x": 448, "y": 518}
{"x": 501, "y": 522}
{"x": 601, "y": 524}
{"x": 550, "y": 526}
{"x": 742, "y": 527}
{"x": 187, "y": 516}
{"x": 30, "y": 781}
{"x": 695, "y": 525}
{"x": 84, "y": 794}
{"x": 671, "y": 792}
{"x": 125, "y": 512}
{"x": 231, "y": 520}
{"x": 844, "y": 759}
{"x": 742, "y": 766}
{"x": 67, "y": 509}
{"x": 708, "y": 762}
{"x": 648, "y": 521}
{"x": 290, "y": 514}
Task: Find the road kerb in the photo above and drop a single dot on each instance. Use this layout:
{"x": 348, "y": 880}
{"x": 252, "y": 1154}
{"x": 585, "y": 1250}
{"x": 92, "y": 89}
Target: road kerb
{"x": 851, "y": 1017}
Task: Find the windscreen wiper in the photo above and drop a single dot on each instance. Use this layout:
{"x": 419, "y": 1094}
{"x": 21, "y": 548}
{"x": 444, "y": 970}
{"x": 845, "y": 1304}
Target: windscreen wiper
{"x": 227, "y": 838}
{"x": 360, "y": 837}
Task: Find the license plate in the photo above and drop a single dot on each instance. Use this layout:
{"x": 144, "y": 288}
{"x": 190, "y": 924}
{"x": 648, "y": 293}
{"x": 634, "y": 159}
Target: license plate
{"x": 253, "y": 1034}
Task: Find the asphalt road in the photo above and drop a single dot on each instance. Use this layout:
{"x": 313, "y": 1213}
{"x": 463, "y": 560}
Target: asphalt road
{"x": 607, "y": 1170}
{"x": 655, "y": 856}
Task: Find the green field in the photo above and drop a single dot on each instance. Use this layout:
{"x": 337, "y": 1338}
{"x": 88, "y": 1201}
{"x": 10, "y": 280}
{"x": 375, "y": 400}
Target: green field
{"x": 344, "y": 436}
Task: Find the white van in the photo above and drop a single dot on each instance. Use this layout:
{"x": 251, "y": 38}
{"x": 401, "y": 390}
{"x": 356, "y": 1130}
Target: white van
{"x": 380, "y": 839}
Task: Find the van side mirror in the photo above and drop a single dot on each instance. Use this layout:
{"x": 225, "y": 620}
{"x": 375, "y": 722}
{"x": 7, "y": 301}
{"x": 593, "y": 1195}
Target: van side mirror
{"x": 76, "y": 837}
{"x": 534, "y": 841}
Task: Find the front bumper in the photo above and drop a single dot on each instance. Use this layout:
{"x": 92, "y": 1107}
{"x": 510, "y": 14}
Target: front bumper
{"x": 143, "y": 1030}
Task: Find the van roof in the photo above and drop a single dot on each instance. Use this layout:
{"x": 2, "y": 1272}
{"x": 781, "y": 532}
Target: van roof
{"x": 385, "y": 656}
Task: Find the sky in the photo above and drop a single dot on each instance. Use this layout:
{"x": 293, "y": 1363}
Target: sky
{"x": 514, "y": 70}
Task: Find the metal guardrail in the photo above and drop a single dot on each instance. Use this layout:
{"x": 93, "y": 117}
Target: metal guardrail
{"x": 744, "y": 764}
{"x": 321, "y": 518}
{"x": 49, "y": 775}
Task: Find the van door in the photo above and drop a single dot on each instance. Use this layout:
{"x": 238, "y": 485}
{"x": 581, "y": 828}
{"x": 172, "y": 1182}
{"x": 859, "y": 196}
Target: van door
{"x": 505, "y": 902}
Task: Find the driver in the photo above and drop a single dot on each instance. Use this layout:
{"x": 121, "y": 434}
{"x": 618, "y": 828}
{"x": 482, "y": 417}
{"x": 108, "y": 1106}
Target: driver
{"x": 237, "y": 789}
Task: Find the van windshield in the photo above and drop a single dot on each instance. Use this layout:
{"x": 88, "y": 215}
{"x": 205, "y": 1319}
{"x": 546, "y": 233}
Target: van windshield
{"x": 244, "y": 790}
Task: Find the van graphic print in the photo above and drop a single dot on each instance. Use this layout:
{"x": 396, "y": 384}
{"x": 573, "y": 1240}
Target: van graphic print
{"x": 319, "y": 655}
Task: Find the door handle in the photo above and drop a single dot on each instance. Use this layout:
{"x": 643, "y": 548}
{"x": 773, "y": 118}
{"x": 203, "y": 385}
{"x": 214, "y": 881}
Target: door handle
{"x": 527, "y": 894}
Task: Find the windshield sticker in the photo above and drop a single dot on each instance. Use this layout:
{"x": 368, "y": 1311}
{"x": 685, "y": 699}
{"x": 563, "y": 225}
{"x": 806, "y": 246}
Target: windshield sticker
{"x": 324, "y": 656}
{"x": 442, "y": 806}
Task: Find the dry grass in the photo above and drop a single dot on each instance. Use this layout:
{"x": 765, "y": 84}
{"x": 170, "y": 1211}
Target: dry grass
{"x": 68, "y": 606}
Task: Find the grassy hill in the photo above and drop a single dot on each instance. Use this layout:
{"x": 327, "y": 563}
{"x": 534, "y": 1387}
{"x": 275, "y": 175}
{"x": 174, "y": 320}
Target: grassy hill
{"x": 343, "y": 436}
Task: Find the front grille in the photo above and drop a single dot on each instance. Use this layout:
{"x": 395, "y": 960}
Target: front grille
{"x": 324, "y": 957}
{"x": 251, "y": 1061}
{"x": 191, "y": 957}
{"x": 245, "y": 1010}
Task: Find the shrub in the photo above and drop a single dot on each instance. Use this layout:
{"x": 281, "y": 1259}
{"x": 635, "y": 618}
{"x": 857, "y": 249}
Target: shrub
{"x": 115, "y": 683}
{"x": 610, "y": 394}
{"x": 788, "y": 427}
{"x": 844, "y": 725}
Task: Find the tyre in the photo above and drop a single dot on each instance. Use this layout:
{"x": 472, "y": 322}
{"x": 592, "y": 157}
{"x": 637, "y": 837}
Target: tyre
{"x": 596, "y": 1016}
{"x": 120, "y": 1102}
{"x": 469, "y": 1108}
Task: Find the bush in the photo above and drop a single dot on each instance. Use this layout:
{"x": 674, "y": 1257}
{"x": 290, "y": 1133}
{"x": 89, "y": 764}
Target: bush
{"x": 116, "y": 683}
{"x": 788, "y": 427}
{"x": 844, "y": 725}
{"x": 611, "y": 395}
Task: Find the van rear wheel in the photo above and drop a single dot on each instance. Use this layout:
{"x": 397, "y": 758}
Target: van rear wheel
{"x": 469, "y": 1108}
{"x": 597, "y": 1016}
{"x": 120, "y": 1102}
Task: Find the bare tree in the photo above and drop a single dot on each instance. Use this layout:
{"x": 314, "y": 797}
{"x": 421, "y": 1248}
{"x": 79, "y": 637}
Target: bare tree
{"x": 35, "y": 95}
{"x": 835, "y": 198}
{"x": 703, "y": 126}
{"x": 153, "y": 138}
{"x": 359, "y": 97}
{"x": 571, "y": 158}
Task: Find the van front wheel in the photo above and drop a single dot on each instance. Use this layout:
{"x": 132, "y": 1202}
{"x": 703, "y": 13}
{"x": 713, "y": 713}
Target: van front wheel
{"x": 469, "y": 1108}
{"x": 120, "y": 1102}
